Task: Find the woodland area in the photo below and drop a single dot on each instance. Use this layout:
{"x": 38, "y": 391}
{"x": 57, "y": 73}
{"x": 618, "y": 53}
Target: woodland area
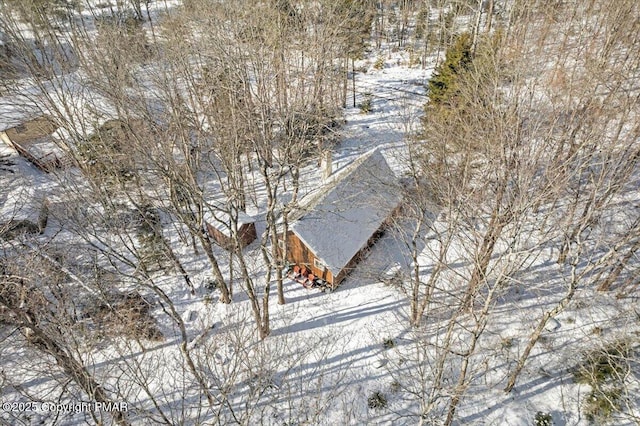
{"x": 504, "y": 292}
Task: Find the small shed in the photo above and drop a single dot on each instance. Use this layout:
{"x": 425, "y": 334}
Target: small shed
{"x": 23, "y": 210}
{"x": 219, "y": 225}
{"x": 31, "y": 137}
{"x": 39, "y": 121}
{"x": 336, "y": 224}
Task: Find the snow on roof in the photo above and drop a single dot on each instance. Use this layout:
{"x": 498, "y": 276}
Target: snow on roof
{"x": 15, "y": 110}
{"x": 221, "y": 220}
{"x": 82, "y": 108}
{"x": 44, "y": 147}
{"x": 22, "y": 203}
{"x": 79, "y": 107}
{"x": 337, "y": 221}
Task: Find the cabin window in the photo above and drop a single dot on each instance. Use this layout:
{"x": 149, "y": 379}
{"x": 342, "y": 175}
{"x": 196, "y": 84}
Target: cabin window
{"x": 318, "y": 264}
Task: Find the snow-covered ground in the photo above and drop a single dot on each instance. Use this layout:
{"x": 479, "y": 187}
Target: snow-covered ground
{"x": 330, "y": 347}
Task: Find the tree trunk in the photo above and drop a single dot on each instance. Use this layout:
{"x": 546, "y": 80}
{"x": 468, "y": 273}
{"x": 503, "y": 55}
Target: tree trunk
{"x": 476, "y": 27}
{"x": 71, "y": 367}
{"x": 184, "y": 349}
{"x": 617, "y": 270}
{"x": 489, "y": 22}
{"x": 535, "y": 336}
{"x": 353, "y": 80}
{"x": 215, "y": 268}
{"x": 178, "y": 264}
{"x": 562, "y": 304}
{"x": 484, "y": 256}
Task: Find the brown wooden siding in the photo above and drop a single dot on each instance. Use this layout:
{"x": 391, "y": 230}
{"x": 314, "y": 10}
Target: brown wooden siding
{"x": 298, "y": 253}
{"x": 246, "y": 234}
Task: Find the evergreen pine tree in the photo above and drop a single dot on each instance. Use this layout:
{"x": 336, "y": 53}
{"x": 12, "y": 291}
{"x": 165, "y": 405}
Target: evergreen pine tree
{"x": 442, "y": 86}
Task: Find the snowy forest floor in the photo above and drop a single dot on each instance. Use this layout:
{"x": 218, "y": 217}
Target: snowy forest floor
{"x": 346, "y": 345}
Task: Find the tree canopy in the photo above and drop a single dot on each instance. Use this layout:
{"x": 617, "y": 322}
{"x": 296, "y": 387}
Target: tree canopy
{"x": 442, "y": 86}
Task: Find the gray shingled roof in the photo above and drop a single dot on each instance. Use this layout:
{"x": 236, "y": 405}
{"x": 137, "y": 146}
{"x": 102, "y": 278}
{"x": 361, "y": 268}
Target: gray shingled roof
{"x": 336, "y": 221}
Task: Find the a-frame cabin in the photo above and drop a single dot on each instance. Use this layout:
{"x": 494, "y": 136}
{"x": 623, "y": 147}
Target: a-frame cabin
{"x": 335, "y": 224}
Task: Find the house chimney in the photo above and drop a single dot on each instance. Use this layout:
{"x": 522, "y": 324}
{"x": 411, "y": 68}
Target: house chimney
{"x": 325, "y": 165}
